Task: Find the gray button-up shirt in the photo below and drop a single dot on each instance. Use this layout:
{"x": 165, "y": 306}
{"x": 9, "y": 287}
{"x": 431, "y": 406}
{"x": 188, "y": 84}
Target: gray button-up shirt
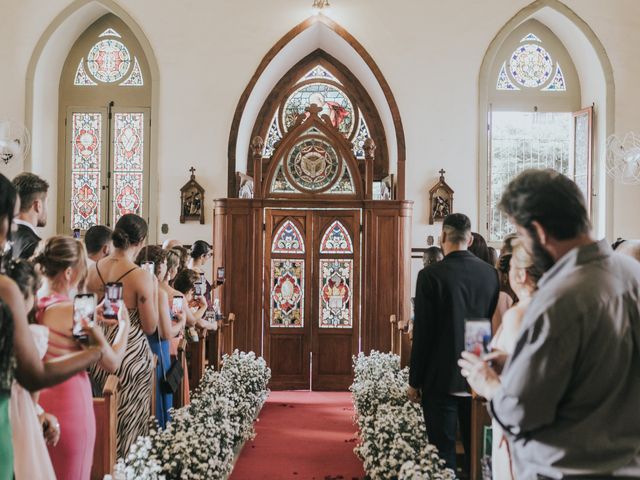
{"x": 570, "y": 395}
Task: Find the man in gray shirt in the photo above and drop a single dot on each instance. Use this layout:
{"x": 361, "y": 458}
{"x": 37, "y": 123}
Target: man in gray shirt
{"x": 569, "y": 397}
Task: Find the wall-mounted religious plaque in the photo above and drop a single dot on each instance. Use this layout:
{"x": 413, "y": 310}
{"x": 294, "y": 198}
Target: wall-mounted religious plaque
{"x": 192, "y": 200}
{"x": 440, "y": 200}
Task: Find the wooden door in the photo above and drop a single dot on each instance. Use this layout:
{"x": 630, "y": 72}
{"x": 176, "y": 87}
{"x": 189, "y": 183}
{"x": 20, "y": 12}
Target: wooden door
{"x": 336, "y": 297}
{"x": 287, "y": 328}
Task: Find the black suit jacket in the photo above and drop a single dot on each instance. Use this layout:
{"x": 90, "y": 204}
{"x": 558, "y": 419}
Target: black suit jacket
{"x": 461, "y": 286}
{"x": 25, "y": 242}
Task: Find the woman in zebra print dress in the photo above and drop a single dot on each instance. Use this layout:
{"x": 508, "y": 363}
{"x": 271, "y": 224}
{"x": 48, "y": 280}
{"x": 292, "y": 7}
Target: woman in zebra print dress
{"x": 140, "y": 297}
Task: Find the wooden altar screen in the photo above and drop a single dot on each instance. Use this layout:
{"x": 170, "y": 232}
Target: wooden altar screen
{"x": 315, "y": 266}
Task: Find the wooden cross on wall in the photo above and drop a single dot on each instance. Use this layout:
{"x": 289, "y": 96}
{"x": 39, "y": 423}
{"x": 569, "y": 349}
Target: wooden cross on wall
{"x": 193, "y": 172}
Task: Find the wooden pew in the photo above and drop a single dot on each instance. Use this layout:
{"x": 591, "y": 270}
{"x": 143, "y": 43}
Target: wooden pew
{"x": 106, "y": 412}
{"x": 226, "y": 329}
{"x": 154, "y": 383}
{"x": 178, "y": 397}
{"x": 197, "y": 358}
{"x": 480, "y": 418}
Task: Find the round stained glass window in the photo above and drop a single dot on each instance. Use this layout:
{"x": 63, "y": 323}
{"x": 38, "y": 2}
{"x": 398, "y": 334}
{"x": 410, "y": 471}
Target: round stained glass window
{"x": 531, "y": 65}
{"x": 108, "y": 60}
{"x": 333, "y": 102}
{"x": 313, "y": 164}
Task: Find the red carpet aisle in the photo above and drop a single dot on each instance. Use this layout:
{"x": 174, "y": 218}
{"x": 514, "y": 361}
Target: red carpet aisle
{"x": 302, "y": 435}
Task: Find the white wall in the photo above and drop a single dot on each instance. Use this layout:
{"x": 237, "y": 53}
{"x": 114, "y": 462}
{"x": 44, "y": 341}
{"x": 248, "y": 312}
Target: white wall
{"x": 430, "y": 52}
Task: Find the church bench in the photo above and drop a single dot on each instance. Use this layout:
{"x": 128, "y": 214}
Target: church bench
{"x": 106, "y": 413}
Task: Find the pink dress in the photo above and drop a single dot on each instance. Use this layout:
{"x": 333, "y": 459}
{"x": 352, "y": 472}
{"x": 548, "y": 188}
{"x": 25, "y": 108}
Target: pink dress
{"x": 72, "y": 403}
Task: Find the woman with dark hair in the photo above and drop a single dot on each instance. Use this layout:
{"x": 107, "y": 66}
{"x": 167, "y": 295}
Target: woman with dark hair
{"x": 19, "y": 355}
{"x": 480, "y": 248}
{"x": 167, "y": 330}
{"x": 140, "y": 295}
{"x": 63, "y": 261}
{"x": 200, "y": 253}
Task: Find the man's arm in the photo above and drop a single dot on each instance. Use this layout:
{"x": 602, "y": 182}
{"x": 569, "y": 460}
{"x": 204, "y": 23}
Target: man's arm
{"x": 537, "y": 376}
{"x": 423, "y": 328}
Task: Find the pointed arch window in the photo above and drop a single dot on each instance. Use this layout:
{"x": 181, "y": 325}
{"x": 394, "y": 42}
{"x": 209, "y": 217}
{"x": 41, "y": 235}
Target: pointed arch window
{"x": 336, "y": 240}
{"x": 105, "y": 94}
{"x": 288, "y": 239}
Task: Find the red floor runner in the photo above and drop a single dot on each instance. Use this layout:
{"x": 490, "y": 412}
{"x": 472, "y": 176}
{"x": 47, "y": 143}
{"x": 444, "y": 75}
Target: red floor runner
{"x": 302, "y": 435}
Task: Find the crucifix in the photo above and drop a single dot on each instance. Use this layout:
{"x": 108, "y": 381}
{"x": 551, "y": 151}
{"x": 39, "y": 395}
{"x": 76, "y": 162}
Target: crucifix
{"x": 193, "y": 172}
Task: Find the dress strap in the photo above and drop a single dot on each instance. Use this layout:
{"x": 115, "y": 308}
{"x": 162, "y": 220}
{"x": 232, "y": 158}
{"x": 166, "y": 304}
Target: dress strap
{"x": 99, "y": 274}
{"x": 124, "y": 274}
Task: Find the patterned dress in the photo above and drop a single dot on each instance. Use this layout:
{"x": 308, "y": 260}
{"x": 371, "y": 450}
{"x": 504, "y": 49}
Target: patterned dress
{"x": 7, "y": 366}
{"x": 135, "y": 386}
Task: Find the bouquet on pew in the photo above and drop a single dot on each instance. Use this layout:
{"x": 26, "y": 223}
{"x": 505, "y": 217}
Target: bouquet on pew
{"x": 203, "y": 437}
{"x": 393, "y": 440}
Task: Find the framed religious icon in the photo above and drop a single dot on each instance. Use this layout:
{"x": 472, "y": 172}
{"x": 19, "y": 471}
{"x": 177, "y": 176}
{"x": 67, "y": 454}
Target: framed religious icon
{"x": 440, "y": 200}
{"x": 192, "y": 200}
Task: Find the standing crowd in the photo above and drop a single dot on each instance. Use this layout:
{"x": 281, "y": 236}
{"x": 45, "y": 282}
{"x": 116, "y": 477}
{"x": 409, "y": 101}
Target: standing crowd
{"x": 55, "y": 355}
{"x": 561, "y": 374}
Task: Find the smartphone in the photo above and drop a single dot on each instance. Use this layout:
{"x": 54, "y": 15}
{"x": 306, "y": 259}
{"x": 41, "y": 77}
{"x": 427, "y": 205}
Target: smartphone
{"x": 148, "y": 267}
{"x": 203, "y": 280}
{"x": 197, "y": 288}
{"x": 84, "y": 308}
{"x": 76, "y": 233}
{"x": 477, "y": 335}
{"x": 112, "y": 299}
{"x": 176, "y": 305}
{"x": 220, "y": 274}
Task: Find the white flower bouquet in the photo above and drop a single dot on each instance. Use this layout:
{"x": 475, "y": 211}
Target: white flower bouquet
{"x": 203, "y": 437}
{"x": 393, "y": 441}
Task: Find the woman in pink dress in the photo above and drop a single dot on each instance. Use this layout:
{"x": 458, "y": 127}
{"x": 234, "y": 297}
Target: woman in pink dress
{"x": 64, "y": 263}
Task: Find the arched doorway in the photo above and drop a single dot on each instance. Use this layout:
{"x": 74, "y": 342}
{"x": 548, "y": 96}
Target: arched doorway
{"x": 314, "y": 237}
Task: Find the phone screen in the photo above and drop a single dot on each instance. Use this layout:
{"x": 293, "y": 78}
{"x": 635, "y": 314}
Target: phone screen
{"x": 148, "y": 267}
{"x": 197, "y": 287}
{"x": 176, "y": 305}
{"x": 203, "y": 280}
{"x": 477, "y": 335}
{"x": 220, "y": 274}
{"x": 112, "y": 299}
{"x": 76, "y": 233}
{"x": 84, "y": 307}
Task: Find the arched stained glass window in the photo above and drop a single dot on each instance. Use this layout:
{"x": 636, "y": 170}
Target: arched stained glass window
{"x": 319, "y": 73}
{"x": 287, "y": 293}
{"x": 336, "y": 240}
{"x": 336, "y": 295}
{"x": 288, "y": 239}
{"x": 101, "y": 111}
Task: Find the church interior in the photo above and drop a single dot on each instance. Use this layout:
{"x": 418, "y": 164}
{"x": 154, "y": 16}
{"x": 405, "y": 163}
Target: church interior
{"x": 295, "y": 164}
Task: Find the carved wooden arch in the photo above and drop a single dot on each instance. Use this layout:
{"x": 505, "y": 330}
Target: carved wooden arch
{"x": 347, "y": 83}
{"x": 337, "y": 141}
{"x": 366, "y": 57}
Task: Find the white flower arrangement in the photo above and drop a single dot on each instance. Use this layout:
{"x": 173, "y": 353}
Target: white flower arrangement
{"x": 203, "y": 437}
{"x": 393, "y": 440}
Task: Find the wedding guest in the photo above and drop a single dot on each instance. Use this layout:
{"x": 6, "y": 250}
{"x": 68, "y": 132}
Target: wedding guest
{"x": 169, "y": 244}
{"x": 459, "y": 287}
{"x": 63, "y": 261}
{"x": 98, "y": 243}
{"x": 523, "y": 277}
{"x": 19, "y": 356}
{"x": 140, "y": 296}
{"x": 33, "y": 192}
{"x": 432, "y": 255}
{"x": 184, "y": 257}
{"x": 160, "y": 339}
{"x": 185, "y": 283}
{"x": 200, "y": 254}
{"x": 480, "y": 248}
{"x": 568, "y": 396}
{"x": 507, "y": 296}
{"x": 493, "y": 256}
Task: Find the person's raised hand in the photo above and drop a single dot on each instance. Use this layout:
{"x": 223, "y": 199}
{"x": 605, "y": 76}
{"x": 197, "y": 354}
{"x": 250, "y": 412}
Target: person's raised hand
{"x": 100, "y": 318}
{"x": 481, "y": 377}
{"x": 413, "y": 394}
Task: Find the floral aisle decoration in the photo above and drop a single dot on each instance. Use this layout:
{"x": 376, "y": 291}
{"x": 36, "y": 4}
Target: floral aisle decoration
{"x": 393, "y": 441}
{"x": 203, "y": 437}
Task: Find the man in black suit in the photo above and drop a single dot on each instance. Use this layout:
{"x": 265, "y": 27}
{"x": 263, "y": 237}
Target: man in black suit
{"x": 32, "y": 191}
{"x": 459, "y": 287}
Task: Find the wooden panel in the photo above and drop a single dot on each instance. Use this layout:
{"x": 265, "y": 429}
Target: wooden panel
{"x": 334, "y": 355}
{"x": 286, "y": 354}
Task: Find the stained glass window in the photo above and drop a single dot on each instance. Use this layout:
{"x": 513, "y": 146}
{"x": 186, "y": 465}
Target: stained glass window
{"x": 108, "y": 60}
{"x": 345, "y": 184}
{"x": 361, "y": 136}
{"x": 557, "y": 84}
{"x": 313, "y": 164}
{"x": 336, "y": 239}
{"x": 530, "y": 38}
{"x": 110, "y": 32}
{"x": 273, "y": 137}
{"x": 135, "y": 79}
{"x": 85, "y": 169}
{"x": 128, "y": 163}
{"x": 530, "y": 65}
{"x": 318, "y": 73}
{"x": 336, "y": 297}
{"x": 81, "y": 78}
{"x": 280, "y": 183}
{"x": 287, "y": 293}
{"x": 288, "y": 239}
{"x": 333, "y": 102}
{"x": 504, "y": 83}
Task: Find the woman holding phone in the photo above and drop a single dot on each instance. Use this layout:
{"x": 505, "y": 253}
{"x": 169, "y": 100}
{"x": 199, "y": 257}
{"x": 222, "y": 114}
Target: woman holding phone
{"x": 19, "y": 356}
{"x": 159, "y": 341}
{"x": 140, "y": 296}
{"x": 63, "y": 262}
{"x": 200, "y": 254}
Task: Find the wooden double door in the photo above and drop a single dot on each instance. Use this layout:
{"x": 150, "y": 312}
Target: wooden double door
{"x": 311, "y": 320}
